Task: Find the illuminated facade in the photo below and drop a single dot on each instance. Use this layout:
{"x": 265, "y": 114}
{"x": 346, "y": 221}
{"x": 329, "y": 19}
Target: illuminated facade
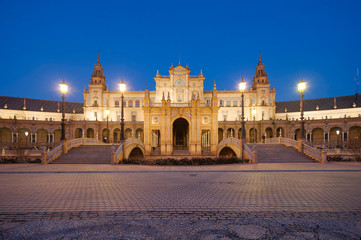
{"x": 179, "y": 117}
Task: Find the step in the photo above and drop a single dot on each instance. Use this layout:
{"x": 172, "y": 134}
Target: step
{"x": 86, "y": 154}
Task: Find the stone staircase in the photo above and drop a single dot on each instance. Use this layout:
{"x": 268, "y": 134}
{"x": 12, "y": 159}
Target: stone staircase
{"x": 279, "y": 153}
{"x": 86, "y": 154}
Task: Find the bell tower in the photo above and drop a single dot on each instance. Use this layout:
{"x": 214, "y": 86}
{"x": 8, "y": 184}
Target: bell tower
{"x": 260, "y": 77}
{"x": 97, "y": 77}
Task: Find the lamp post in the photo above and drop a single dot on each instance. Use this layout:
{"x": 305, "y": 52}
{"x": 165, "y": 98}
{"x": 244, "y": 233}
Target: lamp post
{"x": 63, "y": 90}
{"x": 122, "y": 90}
{"x": 254, "y": 111}
{"x": 301, "y": 86}
{"x": 338, "y": 133}
{"x": 26, "y": 139}
{"x": 242, "y": 88}
{"x": 107, "y": 114}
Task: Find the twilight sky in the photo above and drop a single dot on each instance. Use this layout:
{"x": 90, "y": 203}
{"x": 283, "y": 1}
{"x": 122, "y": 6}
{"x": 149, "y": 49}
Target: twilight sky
{"x": 44, "y": 41}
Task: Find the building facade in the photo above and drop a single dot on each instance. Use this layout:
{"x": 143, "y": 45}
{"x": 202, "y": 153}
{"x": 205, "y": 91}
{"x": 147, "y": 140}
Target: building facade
{"x": 180, "y": 117}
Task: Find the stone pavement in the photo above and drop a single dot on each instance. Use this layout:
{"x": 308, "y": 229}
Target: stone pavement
{"x": 262, "y": 201}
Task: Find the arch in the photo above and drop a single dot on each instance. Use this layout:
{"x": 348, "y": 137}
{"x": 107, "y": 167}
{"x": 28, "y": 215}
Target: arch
{"x": 5, "y": 136}
{"x": 128, "y": 133}
{"x": 139, "y": 133}
{"x": 90, "y": 133}
{"x": 136, "y": 153}
{"x": 230, "y": 132}
{"x": 137, "y": 103}
{"x": 42, "y": 136}
{"x": 317, "y": 136}
{"x": 240, "y": 131}
{"x": 335, "y": 140}
{"x": 21, "y": 136}
{"x": 227, "y": 152}
{"x": 253, "y": 135}
{"x": 116, "y": 135}
{"x": 180, "y": 134}
{"x": 354, "y": 139}
{"x": 220, "y": 135}
{"x": 57, "y": 135}
{"x": 105, "y": 135}
{"x": 130, "y": 103}
{"x": 297, "y": 134}
{"x": 116, "y": 103}
{"x": 269, "y": 132}
{"x": 78, "y": 133}
{"x": 280, "y": 132}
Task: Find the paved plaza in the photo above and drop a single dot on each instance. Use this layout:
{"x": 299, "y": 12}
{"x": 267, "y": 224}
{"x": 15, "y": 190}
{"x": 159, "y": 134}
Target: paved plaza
{"x": 262, "y": 201}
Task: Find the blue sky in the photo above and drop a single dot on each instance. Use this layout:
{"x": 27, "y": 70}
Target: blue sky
{"x": 44, "y": 41}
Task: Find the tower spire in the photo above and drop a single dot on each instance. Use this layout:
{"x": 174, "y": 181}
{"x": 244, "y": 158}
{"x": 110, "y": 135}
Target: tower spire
{"x": 259, "y": 58}
{"x": 179, "y": 56}
{"x": 98, "y": 57}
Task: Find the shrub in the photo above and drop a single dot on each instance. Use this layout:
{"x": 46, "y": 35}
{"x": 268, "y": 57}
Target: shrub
{"x": 184, "y": 161}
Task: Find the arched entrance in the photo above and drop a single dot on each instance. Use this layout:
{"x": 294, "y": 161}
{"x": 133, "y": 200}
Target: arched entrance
{"x": 78, "y": 133}
{"x": 90, "y": 133}
{"x": 317, "y": 137}
{"x": 269, "y": 132}
{"x": 136, "y": 153}
{"x": 355, "y": 137}
{"x": 180, "y": 134}
{"x": 280, "y": 132}
{"x": 105, "y": 135}
{"x": 227, "y": 152}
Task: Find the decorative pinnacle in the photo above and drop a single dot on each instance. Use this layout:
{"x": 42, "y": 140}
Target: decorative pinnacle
{"x": 98, "y": 58}
{"x": 259, "y": 58}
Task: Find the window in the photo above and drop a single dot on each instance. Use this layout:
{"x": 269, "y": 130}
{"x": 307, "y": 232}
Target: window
{"x": 124, "y": 103}
{"x": 137, "y": 103}
{"x": 134, "y": 118}
{"x": 228, "y": 103}
{"x": 130, "y": 103}
{"x": 95, "y": 102}
{"x": 96, "y": 115}
{"x": 221, "y": 103}
{"x": 234, "y": 103}
{"x": 116, "y": 103}
{"x": 208, "y": 102}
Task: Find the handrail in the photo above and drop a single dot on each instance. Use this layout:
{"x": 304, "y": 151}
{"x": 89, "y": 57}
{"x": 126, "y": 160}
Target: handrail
{"x": 248, "y": 152}
{"x": 56, "y": 152}
{"x": 75, "y": 143}
{"x": 229, "y": 140}
{"x": 133, "y": 140}
{"x": 312, "y": 152}
{"x": 118, "y": 153}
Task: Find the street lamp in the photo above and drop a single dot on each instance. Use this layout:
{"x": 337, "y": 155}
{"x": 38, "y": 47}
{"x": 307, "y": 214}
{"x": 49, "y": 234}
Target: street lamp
{"x": 26, "y": 138}
{"x": 122, "y": 90}
{"x": 254, "y": 127}
{"x": 242, "y": 88}
{"x": 107, "y": 114}
{"x": 301, "y": 86}
{"x": 63, "y": 90}
{"x": 338, "y": 133}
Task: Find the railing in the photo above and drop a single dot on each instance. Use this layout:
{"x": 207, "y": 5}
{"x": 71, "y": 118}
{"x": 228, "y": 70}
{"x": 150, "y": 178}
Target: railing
{"x": 339, "y": 151}
{"x": 132, "y": 140}
{"x": 75, "y": 143}
{"x": 56, "y": 152}
{"x": 284, "y": 141}
{"x": 312, "y": 152}
{"x": 248, "y": 152}
{"x": 230, "y": 140}
{"x": 24, "y": 152}
{"x": 91, "y": 140}
{"x": 118, "y": 153}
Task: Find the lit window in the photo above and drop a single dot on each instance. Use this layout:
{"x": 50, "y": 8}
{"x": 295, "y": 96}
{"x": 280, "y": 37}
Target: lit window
{"x": 221, "y": 103}
{"x": 130, "y": 103}
{"x": 234, "y": 103}
{"x": 137, "y": 103}
{"x": 228, "y": 103}
{"x": 116, "y": 103}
